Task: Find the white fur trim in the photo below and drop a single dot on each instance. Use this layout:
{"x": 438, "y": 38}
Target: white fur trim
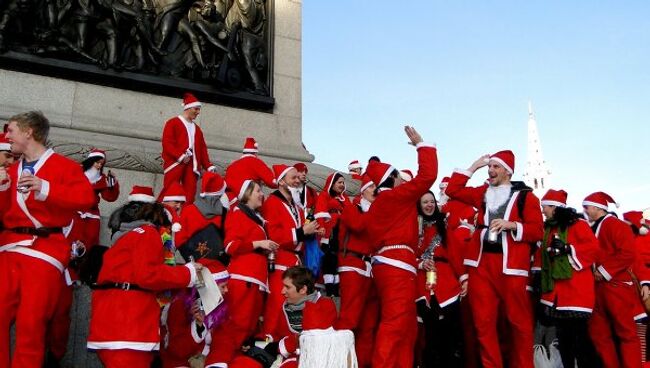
{"x": 191, "y": 105}
{"x": 38, "y": 254}
{"x": 575, "y": 308}
{"x": 93, "y": 154}
{"x": 220, "y": 276}
{"x": 463, "y": 277}
{"x": 322, "y": 215}
{"x": 386, "y": 174}
{"x": 553, "y": 203}
{"x": 117, "y": 345}
{"x": 284, "y": 172}
{"x": 423, "y": 144}
{"x": 573, "y": 259}
{"x": 193, "y": 277}
{"x": 141, "y": 198}
{"x": 178, "y": 198}
{"x": 243, "y": 188}
{"x": 282, "y": 348}
{"x": 464, "y": 172}
{"x": 604, "y": 272}
{"x": 198, "y": 338}
{"x": 365, "y": 186}
{"x": 354, "y": 166}
{"x": 595, "y": 204}
{"x": 519, "y": 232}
{"x": 503, "y": 163}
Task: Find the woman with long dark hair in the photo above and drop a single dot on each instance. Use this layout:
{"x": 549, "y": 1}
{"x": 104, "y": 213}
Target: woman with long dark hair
{"x": 125, "y": 319}
{"x": 439, "y": 300}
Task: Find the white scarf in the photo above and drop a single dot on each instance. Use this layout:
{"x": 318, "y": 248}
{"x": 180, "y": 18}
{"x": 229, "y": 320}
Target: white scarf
{"x": 295, "y": 195}
{"x": 495, "y": 197}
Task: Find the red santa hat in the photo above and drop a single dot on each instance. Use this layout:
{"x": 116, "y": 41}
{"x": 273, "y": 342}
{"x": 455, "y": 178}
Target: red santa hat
{"x": 281, "y": 170}
{"x": 354, "y": 165}
{"x": 506, "y": 159}
{"x": 444, "y": 183}
{"x": 301, "y": 167}
{"x": 600, "y": 200}
{"x": 217, "y": 269}
{"x": 174, "y": 192}
{"x": 173, "y": 217}
{"x": 379, "y": 171}
{"x": 365, "y": 182}
{"x": 141, "y": 194}
{"x": 554, "y": 198}
{"x": 635, "y": 218}
{"x": 189, "y": 101}
{"x": 96, "y": 153}
{"x": 406, "y": 175}
{"x": 250, "y": 145}
{"x": 4, "y": 143}
{"x": 212, "y": 184}
{"x": 239, "y": 186}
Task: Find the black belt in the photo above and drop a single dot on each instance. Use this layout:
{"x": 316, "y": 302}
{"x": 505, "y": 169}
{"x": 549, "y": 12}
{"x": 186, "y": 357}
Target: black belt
{"x": 440, "y": 259}
{"x": 361, "y": 256}
{"x": 117, "y": 285}
{"x": 42, "y": 232}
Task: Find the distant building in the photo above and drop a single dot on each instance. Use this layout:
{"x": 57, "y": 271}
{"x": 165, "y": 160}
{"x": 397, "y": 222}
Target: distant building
{"x": 537, "y": 173}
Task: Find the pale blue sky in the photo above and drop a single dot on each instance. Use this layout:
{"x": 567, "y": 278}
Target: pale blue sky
{"x": 462, "y": 73}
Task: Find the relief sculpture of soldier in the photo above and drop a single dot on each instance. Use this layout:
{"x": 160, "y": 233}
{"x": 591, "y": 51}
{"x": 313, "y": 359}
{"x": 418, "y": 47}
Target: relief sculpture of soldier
{"x": 222, "y": 43}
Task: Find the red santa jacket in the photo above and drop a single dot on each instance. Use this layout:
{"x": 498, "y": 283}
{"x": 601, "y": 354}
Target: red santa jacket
{"x": 176, "y": 142}
{"x": 246, "y": 264}
{"x": 317, "y": 315}
{"x": 642, "y": 263}
{"x": 285, "y": 222}
{"x": 329, "y": 208}
{"x": 393, "y": 216}
{"x": 576, "y": 293}
{"x": 65, "y": 190}
{"x": 354, "y": 241}
{"x": 103, "y": 191}
{"x": 617, "y": 250}
{"x": 192, "y": 221}
{"x": 130, "y": 319}
{"x": 516, "y": 244}
{"x": 447, "y": 288}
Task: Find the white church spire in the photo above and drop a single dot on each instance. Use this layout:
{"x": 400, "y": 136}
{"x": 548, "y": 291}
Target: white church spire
{"x": 537, "y": 173}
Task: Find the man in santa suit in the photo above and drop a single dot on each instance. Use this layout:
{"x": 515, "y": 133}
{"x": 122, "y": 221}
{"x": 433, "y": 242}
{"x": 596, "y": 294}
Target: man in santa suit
{"x": 286, "y": 226}
{"x": 40, "y": 194}
{"x": 248, "y": 167}
{"x": 359, "y": 304}
{"x": 308, "y": 195}
{"x": 393, "y": 228}
{"x": 616, "y": 298}
{"x": 355, "y": 169}
{"x": 184, "y": 151}
{"x": 509, "y": 221}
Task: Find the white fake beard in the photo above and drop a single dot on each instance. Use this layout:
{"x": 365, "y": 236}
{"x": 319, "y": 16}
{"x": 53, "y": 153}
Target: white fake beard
{"x": 495, "y": 197}
{"x": 365, "y": 204}
{"x": 93, "y": 175}
{"x": 295, "y": 195}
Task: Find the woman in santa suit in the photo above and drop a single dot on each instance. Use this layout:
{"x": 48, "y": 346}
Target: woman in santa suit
{"x": 438, "y": 301}
{"x": 86, "y": 225}
{"x": 568, "y": 250}
{"x": 329, "y": 206}
{"x": 124, "y": 325}
{"x": 247, "y": 244}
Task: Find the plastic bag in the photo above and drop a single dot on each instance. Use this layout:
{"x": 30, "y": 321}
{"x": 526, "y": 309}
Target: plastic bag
{"x": 541, "y": 358}
{"x": 313, "y": 256}
{"x": 556, "y": 358}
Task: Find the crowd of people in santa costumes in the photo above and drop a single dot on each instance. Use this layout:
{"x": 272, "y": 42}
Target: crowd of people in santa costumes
{"x": 457, "y": 279}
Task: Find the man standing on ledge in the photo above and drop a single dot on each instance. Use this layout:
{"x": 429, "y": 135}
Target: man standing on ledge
{"x": 510, "y": 222}
{"x": 184, "y": 151}
{"x": 393, "y": 230}
{"x": 40, "y": 194}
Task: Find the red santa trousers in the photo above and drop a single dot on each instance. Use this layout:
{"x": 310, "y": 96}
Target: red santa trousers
{"x": 614, "y": 310}
{"x": 359, "y": 313}
{"x": 29, "y": 292}
{"x": 397, "y": 331}
{"x": 490, "y": 288}
{"x": 125, "y": 358}
{"x": 470, "y": 344}
{"x": 59, "y": 328}
{"x": 184, "y": 175}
